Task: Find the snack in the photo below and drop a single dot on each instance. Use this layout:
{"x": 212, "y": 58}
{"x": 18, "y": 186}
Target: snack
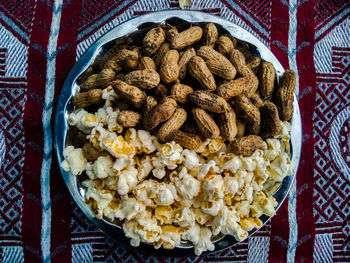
{"x": 172, "y": 152}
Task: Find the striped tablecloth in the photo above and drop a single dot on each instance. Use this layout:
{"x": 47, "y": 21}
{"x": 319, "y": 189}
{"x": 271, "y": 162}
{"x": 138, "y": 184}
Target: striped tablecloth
{"x": 41, "y": 40}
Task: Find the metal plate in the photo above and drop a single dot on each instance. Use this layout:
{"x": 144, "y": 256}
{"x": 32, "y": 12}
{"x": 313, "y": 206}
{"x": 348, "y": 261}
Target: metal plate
{"x": 70, "y": 88}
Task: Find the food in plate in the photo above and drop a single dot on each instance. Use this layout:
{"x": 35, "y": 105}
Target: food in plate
{"x": 185, "y": 136}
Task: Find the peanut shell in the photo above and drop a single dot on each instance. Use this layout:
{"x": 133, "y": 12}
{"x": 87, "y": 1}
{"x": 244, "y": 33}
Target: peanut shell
{"x": 232, "y": 88}
{"x": 180, "y": 92}
{"x": 217, "y": 63}
{"x": 87, "y": 98}
{"x": 256, "y": 100}
{"x": 143, "y": 79}
{"x": 89, "y": 83}
{"x": 169, "y": 69}
{"x": 224, "y": 46}
{"x": 129, "y": 118}
{"x": 270, "y": 121}
{"x": 161, "y": 112}
{"x": 153, "y": 40}
{"x": 147, "y": 63}
{"x": 186, "y": 38}
{"x": 187, "y": 140}
{"x": 245, "y": 109}
{"x": 198, "y": 69}
{"x": 133, "y": 95}
{"x": 205, "y": 123}
{"x": 210, "y": 35}
{"x": 122, "y": 59}
{"x": 160, "y": 54}
{"x": 284, "y": 95}
{"x": 227, "y": 124}
{"x": 168, "y": 130}
{"x": 160, "y": 92}
{"x": 208, "y": 101}
{"x": 267, "y": 75}
{"x": 185, "y": 57}
{"x": 247, "y": 145}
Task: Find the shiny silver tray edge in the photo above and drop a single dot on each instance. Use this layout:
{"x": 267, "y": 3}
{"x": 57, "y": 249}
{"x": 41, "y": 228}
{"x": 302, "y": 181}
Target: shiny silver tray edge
{"x": 70, "y": 88}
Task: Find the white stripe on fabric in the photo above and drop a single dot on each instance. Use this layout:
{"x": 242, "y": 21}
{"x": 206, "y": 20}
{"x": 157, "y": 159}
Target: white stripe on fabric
{"x": 332, "y": 22}
{"x": 46, "y": 117}
{"x": 82, "y": 253}
{"x": 11, "y": 254}
{"x": 292, "y": 47}
{"x": 323, "y": 248}
{"x": 258, "y": 249}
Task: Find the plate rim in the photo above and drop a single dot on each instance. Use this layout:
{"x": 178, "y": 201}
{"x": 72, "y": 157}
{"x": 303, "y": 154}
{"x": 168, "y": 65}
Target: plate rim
{"x": 70, "y": 87}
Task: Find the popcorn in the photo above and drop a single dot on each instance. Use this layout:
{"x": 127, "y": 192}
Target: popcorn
{"x": 213, "y": 186}
{"x": 127, "y": 180}
{"x": 192, "y": 234}
{"x": 208, "y": 168}
{"x": 191, "y": 159}
{"x": 233, "y": 164}
{"x": 102, "y": 197}
{"x": 207, "y": 192}
{"x": 169, "y": 238}
{"x": 165, "y": 195}
{"x": 101, "y": 168}
{"x": 109, "y": 94}
{"x": 212, "y": 207}
{"x": 204, "y": 243}
{"x": 148, "y": 145}
{"x": 130, "y": 208}
{"x": 145, "y": 168}
{"x": 146, "y": 192}
{"x": 186, "y": 185}
{"x": 75, "y": 161}
{"x": 83, "y": 120}
{"x": 185, "y": 217}
{"x": 142, "y": 230}
{"x": 164, "y": 214}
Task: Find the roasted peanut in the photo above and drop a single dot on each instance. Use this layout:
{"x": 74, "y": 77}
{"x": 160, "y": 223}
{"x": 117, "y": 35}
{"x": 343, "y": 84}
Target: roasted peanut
{"x": 169, "y": 69}
{"x": 205, "y": 123}
{"x": 168, "y": 130}
{"x": 210, "y": 35}
{"x": 147, "y": 63}
{"x": 144, "y": 79}
{"x": 224, "y": 46}
{"x": 187, "y": 140}
{"x": 247, "y": 145}
{"x": 232, "y": 88}
{"x": 284, "y": 95}
{"x": 217, "y": 63}
{"x": 198, "y": 70}
{"x": 180, "y": 92}
{"x": 133, "y": 95}
{"x": 161, "y": 53}
{"x": 227, "y": 124}
{"x": 185, "y": 57}
{"x": 238, "y": 61}
{"x": 161, "y": 112}
{"x": 87, "y": 98}
{"x": 161, "y": 91}
{"x": 208, "y": 101}
{"x": 245, "y": 109}
{"x": 129, "y": 118}
{"x": 153, "y": 40}
{"x": 186, "y": 38}
{"x": 267, "y": 75}
{"x": 270, "y": 121}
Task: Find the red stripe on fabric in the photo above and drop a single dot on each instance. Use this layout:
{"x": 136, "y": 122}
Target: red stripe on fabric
{"x": 108, "y": 20}
{"x": 61, "y": 247}
{"x": 245, "y": 20}
{"x": 279, "y": 39}
{"x": 32, "y": 210}
{"x": 331, "y": 27}
{"x": 305, "y": 176}
{"x": 12, "y": 18}
{"x": 18, "y": 36}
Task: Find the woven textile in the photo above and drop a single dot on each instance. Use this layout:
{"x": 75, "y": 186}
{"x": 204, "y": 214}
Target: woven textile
{"x": 40, "y": 42}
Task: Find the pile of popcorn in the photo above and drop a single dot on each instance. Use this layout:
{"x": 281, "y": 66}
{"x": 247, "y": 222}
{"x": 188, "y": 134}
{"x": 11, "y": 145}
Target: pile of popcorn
{"x": 164, "y": 194}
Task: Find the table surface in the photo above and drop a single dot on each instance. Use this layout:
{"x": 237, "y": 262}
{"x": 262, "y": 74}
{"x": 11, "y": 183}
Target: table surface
{"x": 40, "y": 42}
